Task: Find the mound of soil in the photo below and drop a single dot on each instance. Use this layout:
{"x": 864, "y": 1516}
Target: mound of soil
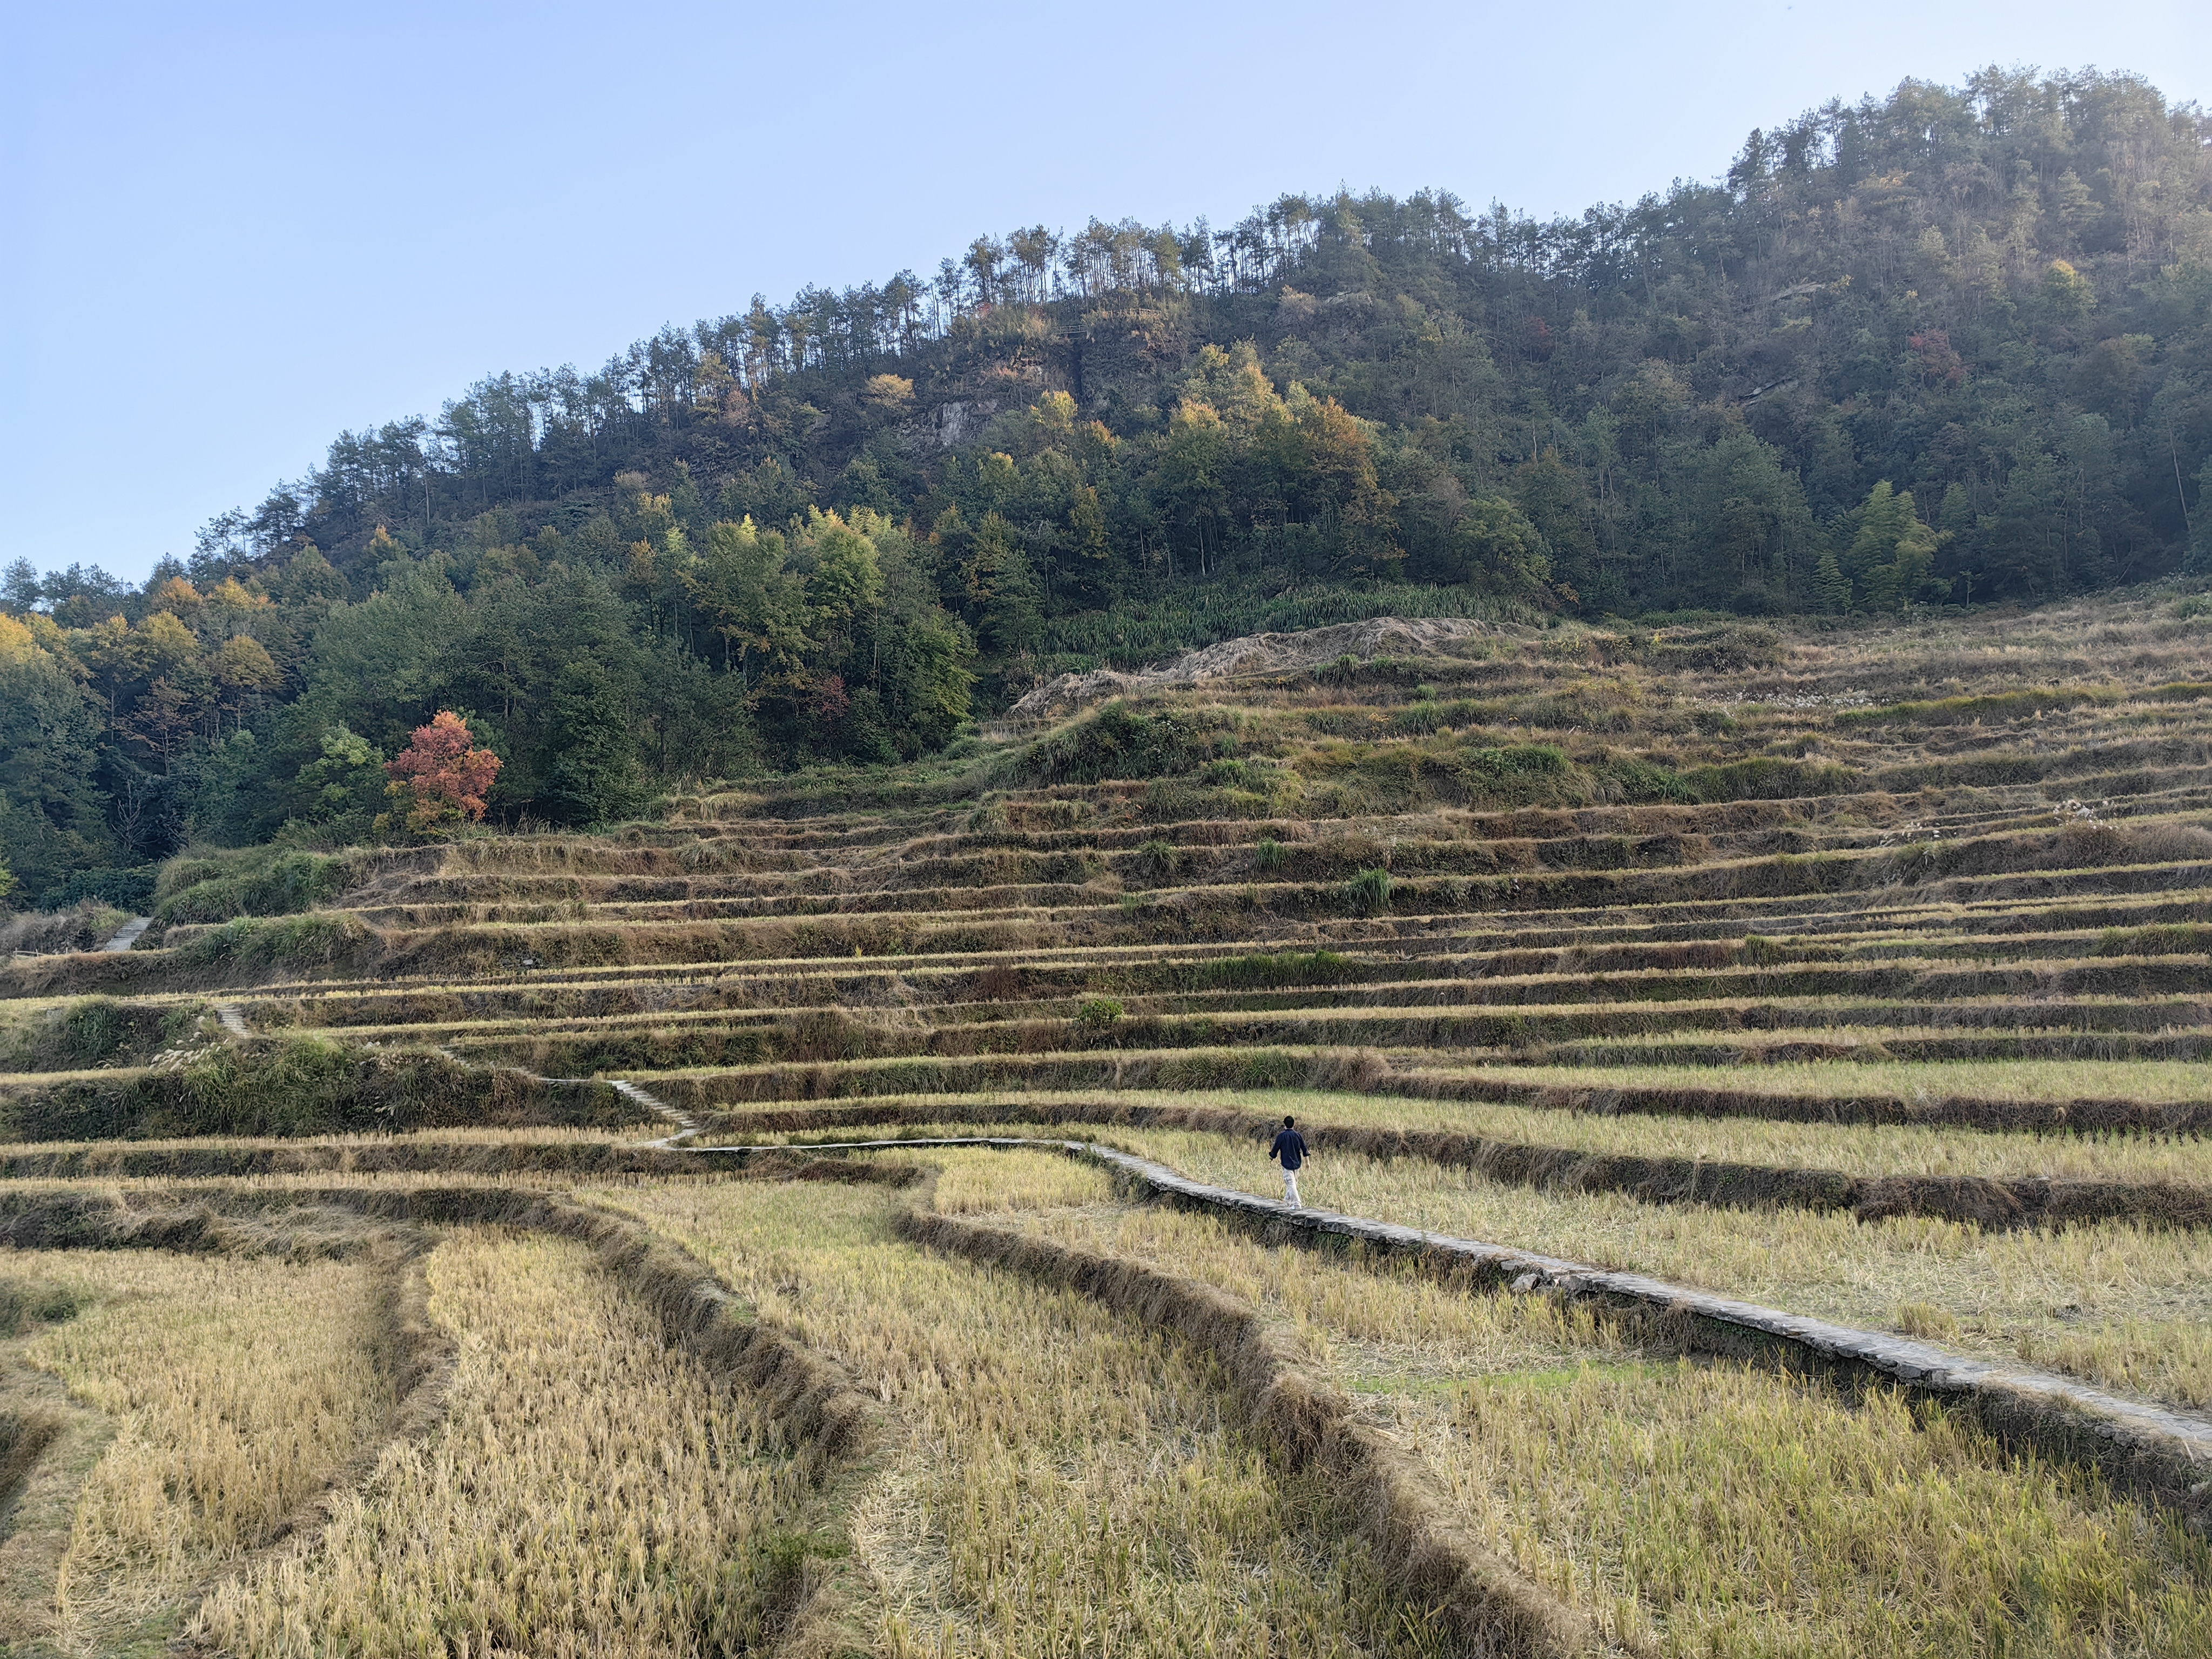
{"x": 1258, "y": 654}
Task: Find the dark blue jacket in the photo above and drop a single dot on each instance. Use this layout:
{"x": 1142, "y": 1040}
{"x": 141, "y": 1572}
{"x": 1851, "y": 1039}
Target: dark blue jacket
{"x": 1291, "y": 1147}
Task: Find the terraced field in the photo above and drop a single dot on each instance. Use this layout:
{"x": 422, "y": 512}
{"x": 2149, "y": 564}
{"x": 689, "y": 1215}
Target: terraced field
{"x": 1758, "y": 1085}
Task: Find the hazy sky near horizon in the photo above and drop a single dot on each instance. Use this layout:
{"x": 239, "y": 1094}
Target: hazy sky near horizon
{"x": 234, "y": 229}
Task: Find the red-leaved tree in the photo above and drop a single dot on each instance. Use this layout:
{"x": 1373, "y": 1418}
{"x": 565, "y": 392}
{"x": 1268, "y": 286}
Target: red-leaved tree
{"x": 444, "y": 771}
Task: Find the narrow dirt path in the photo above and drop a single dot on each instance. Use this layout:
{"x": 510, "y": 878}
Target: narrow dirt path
{"x": 231, "y": 1018}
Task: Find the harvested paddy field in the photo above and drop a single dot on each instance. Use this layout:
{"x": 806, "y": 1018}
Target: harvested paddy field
{"x": 1759, "y": 1084}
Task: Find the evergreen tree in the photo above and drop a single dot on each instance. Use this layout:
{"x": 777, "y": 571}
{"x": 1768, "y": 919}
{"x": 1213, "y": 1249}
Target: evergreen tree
{"x": 2199, "y": 562}
{"x": 338, "y": 793}
{"x": 51, "y": 816}
{"x": 1104, "y": 448}
{"x": 1003, "y": 588}
{"x": 594, "y": 775}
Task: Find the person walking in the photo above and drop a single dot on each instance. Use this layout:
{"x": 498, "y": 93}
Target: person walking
{"x": 1290, "y": 1150}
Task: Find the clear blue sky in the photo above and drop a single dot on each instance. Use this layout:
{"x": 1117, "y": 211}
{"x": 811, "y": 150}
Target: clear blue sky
{"x": 231, "y": 230}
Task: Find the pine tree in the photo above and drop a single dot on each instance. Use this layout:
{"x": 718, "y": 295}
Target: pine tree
{"x": 1088, "y": 542}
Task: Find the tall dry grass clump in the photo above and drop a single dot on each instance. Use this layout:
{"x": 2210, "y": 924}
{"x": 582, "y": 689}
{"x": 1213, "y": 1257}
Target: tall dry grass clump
{"x": 591, "y": 1491}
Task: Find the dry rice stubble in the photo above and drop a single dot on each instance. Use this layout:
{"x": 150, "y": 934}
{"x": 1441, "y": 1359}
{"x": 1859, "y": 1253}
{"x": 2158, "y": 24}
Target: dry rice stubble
{"x": 1697, "y": 1508}
{"x": 1060, "y": 1481}
{"x": 590, "y": 1485}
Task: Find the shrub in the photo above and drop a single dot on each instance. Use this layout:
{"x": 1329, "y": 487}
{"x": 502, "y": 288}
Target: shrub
{"x": 1342, "y": 672}
{"x": 1097, "y": 1013}
{"x": 93, "y": 1031}
{"x": 219, "y": 900}
{"x": 41, "y": 933}
{"x": 1631, "y": 778}
{"x": 299, "y": 1086}
{"x": 189, "y": 870}
{"x": 289, "y": 942}
{"x": 279, "y": 884}
{"x": 1260, "y": 971}
{"x": 1269, "y": 854}
{"x": 1057, "y": 814}
{"x": 1719, "y": 650}
{"x": 1768, "y": 779}
{"x": 1417, "y": 720}
{"x": 1119, "y": 742}
{"x": 1520, "y": 775}
{"x": 130, "y": 889}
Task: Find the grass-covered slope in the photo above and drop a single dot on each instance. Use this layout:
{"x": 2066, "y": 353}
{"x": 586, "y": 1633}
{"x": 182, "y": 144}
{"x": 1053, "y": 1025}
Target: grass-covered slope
{"x": 1860, "y": 974}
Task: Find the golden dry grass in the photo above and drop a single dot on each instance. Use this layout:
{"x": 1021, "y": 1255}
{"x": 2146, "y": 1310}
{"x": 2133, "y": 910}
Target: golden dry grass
{"x": 1054, "y": 1480}
{"x": 137, "y": 1190}
{"x": 1854, "y": 1149}
{"x": 1697, "y": 1509}
{"x": 2115, "y": 1303}
{"x": 1710, "y": 1510}
{"x": 237, "y": 1388}
{"x": 2162, "y": 1081}
{"x": 1058, "y": 1482}
{"x": 590, "y": 1492}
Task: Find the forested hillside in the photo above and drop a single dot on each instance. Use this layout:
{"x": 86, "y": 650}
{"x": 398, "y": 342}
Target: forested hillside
{"x": 1949, "y": 347}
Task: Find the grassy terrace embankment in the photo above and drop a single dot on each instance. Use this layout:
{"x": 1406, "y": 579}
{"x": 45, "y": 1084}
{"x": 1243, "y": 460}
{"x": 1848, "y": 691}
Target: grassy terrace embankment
{"x": 1859, "y": 972}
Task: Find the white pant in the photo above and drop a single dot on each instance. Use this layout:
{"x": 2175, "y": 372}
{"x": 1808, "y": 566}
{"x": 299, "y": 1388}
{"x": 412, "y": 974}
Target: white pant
{"x": 1290, "y": 1189}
